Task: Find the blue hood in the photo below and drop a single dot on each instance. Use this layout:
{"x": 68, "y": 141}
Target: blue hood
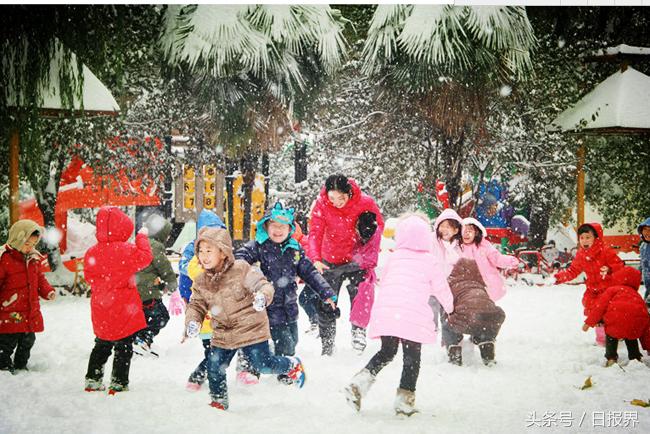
{"x": 645, "y": 223}
{"x": 281, "y": 215}
{"x": 210, "y": 220}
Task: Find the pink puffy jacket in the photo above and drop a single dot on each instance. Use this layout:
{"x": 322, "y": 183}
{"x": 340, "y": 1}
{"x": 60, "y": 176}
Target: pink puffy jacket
{"x": 489, "y": 260}
{"x": 411, "y": 275}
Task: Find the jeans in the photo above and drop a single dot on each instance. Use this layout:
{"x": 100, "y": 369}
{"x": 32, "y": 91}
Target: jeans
{"x": 308, "y": 300}
{"x": 411, "y": 359}
{"x": 285, "y": 338}
{"x": 157, "y": 317}
{"x": 123, "y": 349}
{"x": 260, "y": 358}
{"x": 22, "y": 343}
{"x": 200, "y": 374}
{"x": 335, "y": 277}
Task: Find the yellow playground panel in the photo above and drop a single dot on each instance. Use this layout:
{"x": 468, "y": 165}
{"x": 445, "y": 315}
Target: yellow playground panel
{"x": 258, "y": 196}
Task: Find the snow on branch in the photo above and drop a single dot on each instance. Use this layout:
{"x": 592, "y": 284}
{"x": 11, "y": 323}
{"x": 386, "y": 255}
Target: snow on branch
{"x": 354, "y": 124}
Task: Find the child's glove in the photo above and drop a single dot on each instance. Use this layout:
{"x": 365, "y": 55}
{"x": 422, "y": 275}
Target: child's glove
{"x": 193, "y": 329}
{"x": 259, "y": 304}
{"x": 51, "y": 295}
{"x": 176, "y": 303}
{"x": 332, "y": 302}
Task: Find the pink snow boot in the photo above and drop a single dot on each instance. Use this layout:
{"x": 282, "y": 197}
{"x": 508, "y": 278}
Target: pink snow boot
{"x": 192, "y": 386}
{"x": 246, "y": 378}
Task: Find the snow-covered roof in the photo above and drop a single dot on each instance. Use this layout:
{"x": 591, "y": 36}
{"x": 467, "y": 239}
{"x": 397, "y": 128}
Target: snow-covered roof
{"x": 96, "y": 97}
{"x": 622, "y": 101}
{"x": 622, "y": 49}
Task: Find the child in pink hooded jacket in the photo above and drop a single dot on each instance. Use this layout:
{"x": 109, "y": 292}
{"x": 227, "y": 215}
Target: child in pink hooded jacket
{"x": 401, "y": 314}
{"x": 447, "y": 239}
{"x": 366, "y": 254}
{"x": 487, "y": 257}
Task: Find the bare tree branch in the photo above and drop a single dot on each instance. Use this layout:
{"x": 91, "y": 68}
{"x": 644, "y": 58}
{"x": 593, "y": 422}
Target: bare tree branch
{"x": 354, "y": 124}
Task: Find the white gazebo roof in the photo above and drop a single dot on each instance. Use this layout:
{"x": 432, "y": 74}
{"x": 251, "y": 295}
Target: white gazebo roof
{"x": 621, "y": 102}
{"x": 96, "y": 97}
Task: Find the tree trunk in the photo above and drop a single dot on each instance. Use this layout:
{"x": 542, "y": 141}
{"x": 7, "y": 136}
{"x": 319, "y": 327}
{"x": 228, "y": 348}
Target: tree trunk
{"x": 45, "y": 196}
{"x": 248, "y": 167}
{"x": 231, "y": 166}
{"x": 267, "y": 179}
{"x": 300, "y": 161}
{"x": 452, "y": 168}
{"x": 539, "y": 221}
{"x": 49, "y": 222}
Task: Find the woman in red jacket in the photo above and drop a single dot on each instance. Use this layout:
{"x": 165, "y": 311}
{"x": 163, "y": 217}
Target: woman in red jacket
{"x": 332, "y": 238}
{"x": 597, "y": 261}
{"x": 115, "y": 305}
{"x": 623, "y": 312}
{"x": 21, "y": 283}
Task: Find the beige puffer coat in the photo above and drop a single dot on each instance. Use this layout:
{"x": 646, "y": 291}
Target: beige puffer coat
{"x": 228, "y": 295}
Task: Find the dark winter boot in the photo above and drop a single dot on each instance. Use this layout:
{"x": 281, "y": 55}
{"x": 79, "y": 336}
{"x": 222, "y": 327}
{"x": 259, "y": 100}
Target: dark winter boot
{"x": 455, "y": 353}
{"x": 487, "y": 353}
{"x": 94, "y": 385}
{"x": 220, "y": 403}
{"x": 116, "y": 388}
{"x": 327, "y": 337}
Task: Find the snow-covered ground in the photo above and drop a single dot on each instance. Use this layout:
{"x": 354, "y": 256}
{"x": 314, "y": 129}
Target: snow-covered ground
{"x": 543, "y": 359}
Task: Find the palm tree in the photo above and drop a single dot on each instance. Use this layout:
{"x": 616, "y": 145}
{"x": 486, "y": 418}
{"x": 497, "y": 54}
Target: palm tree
{"x": 251, "y": 63}
{"x": 445, "y": 58}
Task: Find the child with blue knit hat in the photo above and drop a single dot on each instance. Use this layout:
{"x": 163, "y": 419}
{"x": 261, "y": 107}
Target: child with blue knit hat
{"x": 282, "y": 259}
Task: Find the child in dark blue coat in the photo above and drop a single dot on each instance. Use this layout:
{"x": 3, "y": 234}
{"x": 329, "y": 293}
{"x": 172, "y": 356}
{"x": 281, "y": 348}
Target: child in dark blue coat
{"x": 282, "y": 260}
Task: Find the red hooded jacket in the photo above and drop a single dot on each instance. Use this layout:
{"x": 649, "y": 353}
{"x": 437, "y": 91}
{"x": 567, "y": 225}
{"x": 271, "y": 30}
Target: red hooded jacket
{"x": 590, "y": 262}
{"x": 332, "y": 231}
{"x": 21, "y": 283}
{"x": 621, "y": 308}
{"x": 109, "y": 268}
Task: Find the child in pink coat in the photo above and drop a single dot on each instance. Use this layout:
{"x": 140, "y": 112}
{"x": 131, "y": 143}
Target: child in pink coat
{"x": 401, "y": 314}
{"x": 365, "y": 254}
{"x": 488, "y": 258}
{"x": 447, "y": 239}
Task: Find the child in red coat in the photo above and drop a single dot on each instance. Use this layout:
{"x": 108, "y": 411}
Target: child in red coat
{"x": 115, "y": 305}
{"x": 597, "y": 261}
{"x": 21, "y": 283}
{"x": 624, "y": 314}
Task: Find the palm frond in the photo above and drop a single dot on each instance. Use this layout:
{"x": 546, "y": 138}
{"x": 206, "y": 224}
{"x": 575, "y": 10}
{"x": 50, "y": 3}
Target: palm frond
{"x": 381, "y": 43}
{"x": 450, "y": 39}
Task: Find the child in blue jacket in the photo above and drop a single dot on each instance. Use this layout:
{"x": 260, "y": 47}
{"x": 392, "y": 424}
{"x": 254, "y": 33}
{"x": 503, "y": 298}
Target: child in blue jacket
{"x": 282, "y": 260}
